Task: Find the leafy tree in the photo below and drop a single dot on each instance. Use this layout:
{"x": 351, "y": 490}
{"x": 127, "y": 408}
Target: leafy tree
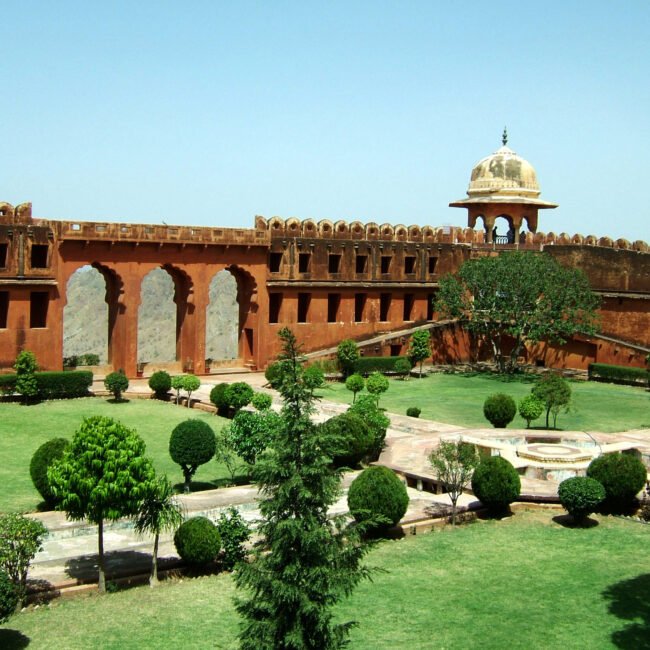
{"x": 305, "y": 562}
{"x": 314, "y": 378}
{"x": 116, "y": 383}
{"x": 376, "y": 385}
{"x": 159, "y": 511}
{"x": 190, "y": 384}
{"x": 191, "y": 444}
{"x": 8, "y": 597}
{"x": 238, "y": 395}
{"x": 26, "y": 367}
{"x": 518, "y": 298}
{"x": 225, "y": 453}
{"x": 262, "y": 401}
{"x": 250, "y": 433}
{"x": 366, "y": 408}
{"x": 177, "y": 385}
{"x": 555, "y": 392}
{"x": 20, "y": 540}
{"x": 355, "y": 383}
{"x": 453, "y": 464}
{"x": 234, "y": 533}
{"x": 403, "y": 368}
{"x": 347, "y": 354}
{"x": 420, "y": 347}
{"x": 104, "y": 475}
{"x": 530, "y": 408}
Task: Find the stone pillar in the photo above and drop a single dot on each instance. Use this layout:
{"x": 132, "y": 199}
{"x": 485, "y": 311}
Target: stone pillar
{"x": 123, "y": 327}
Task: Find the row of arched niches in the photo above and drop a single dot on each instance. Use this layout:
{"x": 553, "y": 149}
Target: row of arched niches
{"x": 325, "y": 229}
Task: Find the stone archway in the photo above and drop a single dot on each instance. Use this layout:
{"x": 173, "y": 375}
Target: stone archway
{"x": 222, "y": 318}
{"x": 157, "y": 318}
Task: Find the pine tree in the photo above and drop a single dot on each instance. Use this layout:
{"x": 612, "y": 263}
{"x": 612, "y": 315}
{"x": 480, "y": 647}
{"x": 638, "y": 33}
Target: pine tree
{"x": 305, "y": 562}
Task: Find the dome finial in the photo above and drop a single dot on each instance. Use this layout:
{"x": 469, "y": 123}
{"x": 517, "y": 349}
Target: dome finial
{"x": 504, "y": 137}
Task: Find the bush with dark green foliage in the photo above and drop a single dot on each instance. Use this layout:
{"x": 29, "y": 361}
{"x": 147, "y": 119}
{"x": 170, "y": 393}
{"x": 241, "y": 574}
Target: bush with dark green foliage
{"x": 499, "y": 409}
{"x": 314, "y": 377}
{"x": 8, "y": 597}
{"x": 54, "y": 384}
{"x": 367, "y": 365}
{"x": 218, "y": 398}
{"x": 238, "y": 395}
{"x": 355, "y": 384}
{"x": 160, "y": 383}
{"x": 192, "y": 443}
{"x": 347, "y": 354}
{"x": 88, "y": 359}
{"x": 377, "y": 384}
{"x": 273, "y": 374}
{"x": 377, "y": 498}
{"x": 250, "y": 433}
{"x": 530, "y": 408}
{"x": 43, "y": 457}
{"x": 623, "y": 477}
{"x": 116, "y": 383}
{"x": 413, "y": 411}
{"x": 262, "y": 401}
{"x": 402, "y": 368}
{"x": 189, "y": 384}
{"x": 350, "y": 439}
{"x": 618, "y": 374}
{"x": 555, "y": 391}
{"x": 26, "y": 368}
{"x": 580, "y": 496}
{"x": 496, "y": 484}
{"x": 366, "y": 408}
{"x": 197, "y": 541}
{"x": 234, "y": 533}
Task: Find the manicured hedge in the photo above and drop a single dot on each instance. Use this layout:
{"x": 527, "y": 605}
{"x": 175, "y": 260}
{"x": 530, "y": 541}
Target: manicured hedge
{"x": 618, "y": 374}
{"x": 54, "y": 385}
{"x": 366, "y": 365}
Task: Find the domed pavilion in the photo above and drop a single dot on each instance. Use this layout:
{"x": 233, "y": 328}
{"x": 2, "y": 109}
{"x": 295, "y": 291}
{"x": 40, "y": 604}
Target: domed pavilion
{"x": 503, "y": 185}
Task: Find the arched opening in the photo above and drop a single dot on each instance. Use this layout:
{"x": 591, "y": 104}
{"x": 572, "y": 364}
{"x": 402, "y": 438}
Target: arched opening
{"x": 503, "y": 231}
{"x": 222, "y": 318}
{"x": 157, "y": 318}
{"x": 86, "y": 325}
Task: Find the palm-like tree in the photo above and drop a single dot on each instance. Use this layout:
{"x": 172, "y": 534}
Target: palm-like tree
{"x": 160, "y": 511}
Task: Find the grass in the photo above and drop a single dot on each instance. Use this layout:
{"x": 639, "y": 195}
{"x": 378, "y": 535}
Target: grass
{"x": 458, "y": 399}
{"x": 24, "y": 428}
{"x": 524, "y": 582}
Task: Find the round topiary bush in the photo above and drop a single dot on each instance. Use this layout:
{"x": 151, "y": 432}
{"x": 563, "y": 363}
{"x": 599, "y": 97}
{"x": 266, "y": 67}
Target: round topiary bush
{"x": 262, "y": 401}
{"x": 580, "y": 496}
{"x": 413, "y": 411}
{"x": 349, "y": 439}
{"x": 192, "y": 443}
{"x": 218, "y": 398}
{"x": 273, "y": 374}
{"x": 355, "y": 384}
{"x": 496, "y": 484}
{"x": 403, "y": 368}
{"x": 377, "y": 493}
{"x": 623, "y": 477}
{"x": 238, "y": 395}
{"x": 43, "y": 457}
{"x": 499, "y": 409}
{"x": 116, "y": 383}
{"x": 8, "y": 597}
{"x": 160, "y": 383}
{"x": 530, "y": 408}
{"x": 197, "y": 541}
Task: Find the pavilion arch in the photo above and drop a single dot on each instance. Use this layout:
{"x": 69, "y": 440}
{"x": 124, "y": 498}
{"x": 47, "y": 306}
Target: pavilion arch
{"x": 222, "y": 317}
{"x": 247, "y": 329}
{"x": 504, "y": 228}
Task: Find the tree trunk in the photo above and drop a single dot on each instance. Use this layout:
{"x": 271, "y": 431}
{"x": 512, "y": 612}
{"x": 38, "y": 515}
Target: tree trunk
{"x": 453, "y": 512}
{"x": 102, "y": 573}
{"x": 153, "y": 579}
{"x": 421, "y": 362}
{"x": 187, "y": 474}
{"x": 548, "y": 411}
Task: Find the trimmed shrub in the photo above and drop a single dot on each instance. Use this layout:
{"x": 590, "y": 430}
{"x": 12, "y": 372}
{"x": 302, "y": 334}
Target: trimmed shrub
{"x": 377, "y": 498}
{"x": 348, "y": 438}
{"x": 249, "y": 433}
{"x": 116, "y": 383}
{"x": 355, "y": 384}
{"x": 623, "y": 477}
{"x": 402, "y": 367}
{"x": 273, "y": 374}
{"x": 618, "y": 374}
{"x": 197, "y": 541}
{"x": 347, "y": 354}
{"x": 367, "y": 365}
{"x": 189, "y": 384}
{"x": 64, "y": 385}
{"x": 313, "y": 377}
{"x": 499, "y": 409}
{"x": 8, "y": 597}
{"x": 496, "y": 483}
{"x": 191, "y": 444}
{"x": 377, "y": 384}
{"x": 218, "y": 398}
{"x": 580, "y": 496}
{"x": 262, "y": 401}
{"x": 530, "y": 408}
{"x": 238, "y": 395}
{"x": 413, "y": 411}
{"x": 160, "y": 383}
{"x": 26, "y": 368}
{"x": 88, "y": 359}
{"x": 555, "y": 392}
{"x": 366, "y": 408}
{"x": 234, "y": 533}
{"x": 43, "y": 457}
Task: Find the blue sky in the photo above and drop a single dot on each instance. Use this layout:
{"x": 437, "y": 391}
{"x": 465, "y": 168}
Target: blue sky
{"x": 207, "y": 113}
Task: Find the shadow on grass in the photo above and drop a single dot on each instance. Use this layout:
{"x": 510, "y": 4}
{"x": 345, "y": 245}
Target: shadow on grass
{"x": 202, "y": 486}
{"x": 117, "y": 564}
{"x": 506, "y": 378}
{"x": 114, "y": 400}
{"x": 567, "y": 521}
{"x": 629, "y": 600}
{"x": 13, "y": 639}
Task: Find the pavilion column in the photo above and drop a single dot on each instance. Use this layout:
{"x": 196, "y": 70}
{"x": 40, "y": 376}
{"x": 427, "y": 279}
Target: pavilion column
{"x": 123, "y": 329}
{"x": 191, "y": 336}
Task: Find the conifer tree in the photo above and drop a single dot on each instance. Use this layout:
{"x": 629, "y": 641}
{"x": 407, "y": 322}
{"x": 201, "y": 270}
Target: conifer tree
{"x": 305, "y": 562}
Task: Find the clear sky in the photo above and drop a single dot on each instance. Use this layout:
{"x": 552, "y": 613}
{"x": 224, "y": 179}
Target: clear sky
{"x": 207, "y": 113}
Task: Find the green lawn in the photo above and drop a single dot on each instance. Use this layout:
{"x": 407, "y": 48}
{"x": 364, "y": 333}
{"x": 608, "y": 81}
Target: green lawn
{"x": 525, "y": 582}
{"x": 24, "y": 428}
{"x": 458, "y": 399}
